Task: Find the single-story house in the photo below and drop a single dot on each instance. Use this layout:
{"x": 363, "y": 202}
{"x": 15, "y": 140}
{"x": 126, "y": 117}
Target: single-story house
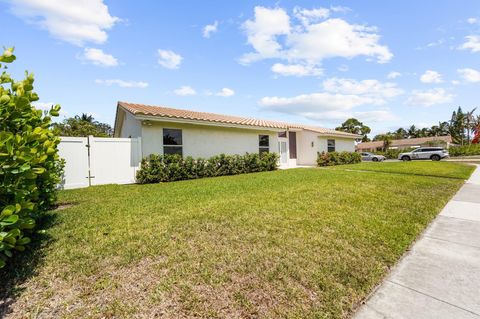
{"x": 406, "y": 143}
{"x": 198, "y": 134}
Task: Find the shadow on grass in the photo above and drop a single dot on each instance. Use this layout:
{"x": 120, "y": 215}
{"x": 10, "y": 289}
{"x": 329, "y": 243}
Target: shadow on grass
{"x": 24, "y": 265}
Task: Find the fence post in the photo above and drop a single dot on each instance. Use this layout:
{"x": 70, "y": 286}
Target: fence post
{"x": 90, "y": 146}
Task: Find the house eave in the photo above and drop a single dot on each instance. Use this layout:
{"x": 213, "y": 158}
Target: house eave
{"x": 143, "y": 117}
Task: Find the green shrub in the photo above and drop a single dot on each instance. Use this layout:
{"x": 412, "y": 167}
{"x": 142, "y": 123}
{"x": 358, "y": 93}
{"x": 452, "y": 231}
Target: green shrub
{"x": 29, "y": 163}
{"x": 465, "y": 150}
{"x": 168, "y": 168}
{"x": 338, "y": 158}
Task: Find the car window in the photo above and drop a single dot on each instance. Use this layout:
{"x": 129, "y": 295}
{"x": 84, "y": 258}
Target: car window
{"x": 418, "y": 150}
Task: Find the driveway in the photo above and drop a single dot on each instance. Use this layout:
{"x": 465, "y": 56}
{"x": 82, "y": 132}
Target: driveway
{"x": 440, "y": 276}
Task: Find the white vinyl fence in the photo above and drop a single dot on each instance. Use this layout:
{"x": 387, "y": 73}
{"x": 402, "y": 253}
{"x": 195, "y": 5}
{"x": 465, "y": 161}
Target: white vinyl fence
{"x": 97, "y": 160}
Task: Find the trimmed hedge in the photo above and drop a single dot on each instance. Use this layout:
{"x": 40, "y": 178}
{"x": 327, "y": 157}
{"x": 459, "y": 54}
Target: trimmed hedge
{"x": 338, "y": 158}
{"x": 465, "y": 150}
{"x": 169, "y": 168}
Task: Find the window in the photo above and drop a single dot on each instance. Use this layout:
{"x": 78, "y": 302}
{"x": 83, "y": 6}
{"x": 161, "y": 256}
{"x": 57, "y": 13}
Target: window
{"x": 263, "y": 143}
{"x": 282, "y": 134}
{"x": 331, "y": 145}
{"x": 172, "y": 141}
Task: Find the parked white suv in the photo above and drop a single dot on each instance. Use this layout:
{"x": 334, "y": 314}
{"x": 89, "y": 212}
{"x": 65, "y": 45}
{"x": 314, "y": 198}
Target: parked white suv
{"x": 424, "y": 153}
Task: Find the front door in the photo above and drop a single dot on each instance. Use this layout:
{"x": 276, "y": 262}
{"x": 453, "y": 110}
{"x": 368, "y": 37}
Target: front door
{"x": 282, "y": 150}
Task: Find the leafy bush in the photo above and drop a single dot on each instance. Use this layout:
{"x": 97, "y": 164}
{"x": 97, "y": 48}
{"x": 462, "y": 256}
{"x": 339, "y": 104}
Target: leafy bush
{"x": 465, "y": 150}
{"x": 169, "y": 168}
{"x": 29, "y": 164}
{"x": 338, "y": 158}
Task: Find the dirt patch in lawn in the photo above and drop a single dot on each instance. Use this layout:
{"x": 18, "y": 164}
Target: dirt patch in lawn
{"x": 145, "y": 290}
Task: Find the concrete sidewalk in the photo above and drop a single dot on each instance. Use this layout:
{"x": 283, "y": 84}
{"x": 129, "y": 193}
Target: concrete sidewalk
{"x": 440, "y": 276}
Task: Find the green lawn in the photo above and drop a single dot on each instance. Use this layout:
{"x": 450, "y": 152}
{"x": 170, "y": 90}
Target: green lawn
{"x": 302, "y": 243}
{"x": 425, "y": 168}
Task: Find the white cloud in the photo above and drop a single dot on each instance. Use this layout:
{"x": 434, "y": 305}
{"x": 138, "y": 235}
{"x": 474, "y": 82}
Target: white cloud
{"x": 262, "y": 33}
{"x": 338, "y": 101}
{"x": 225, "y": 92}
{"x": 429, "y": 97}
{"x": 185, "y": 91}
{"x": 76, "y": 22}
{"x": 393, "y": 75}
{"x": 431, "y": 76}
{"x": 296, "y": 70}
{"x": 122, "y": 83}
{"x": 310, "y": 16}
{"x": 472, "y": 43}
{"x": 98, "y": 57}
{"x": 169, "y": 59}
{"x": 472, "y": 20}
{"x": 372, "y": 88}
{"x": 469, "y": 75}
{"x": 209, "y": 29}
{"x": 272, "y": 35}
{"x": 317, "y": 101}
{"x": 326, "y": 106}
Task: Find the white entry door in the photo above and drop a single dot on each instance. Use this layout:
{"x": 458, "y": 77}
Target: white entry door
{"x": 282, "y": 149}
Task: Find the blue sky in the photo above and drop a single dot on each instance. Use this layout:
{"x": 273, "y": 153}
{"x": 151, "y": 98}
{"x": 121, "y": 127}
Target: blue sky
{"x": 388, "y": 63}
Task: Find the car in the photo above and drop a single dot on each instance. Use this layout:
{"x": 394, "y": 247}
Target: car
{"x": 372, "y": 157}
{"x": 424, "y": 153}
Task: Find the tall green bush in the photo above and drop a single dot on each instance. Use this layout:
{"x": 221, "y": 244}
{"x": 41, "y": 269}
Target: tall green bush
{"x": 338, "y": 158}
{"x": 29, "y": 163}
{"x": 465, "y": 150}
{"x": 169, "y": 168}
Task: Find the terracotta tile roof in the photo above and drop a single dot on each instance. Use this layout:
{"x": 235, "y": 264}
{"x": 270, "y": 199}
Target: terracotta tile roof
{"x": 160, "y": 111}
{"x": 405, "y": 142}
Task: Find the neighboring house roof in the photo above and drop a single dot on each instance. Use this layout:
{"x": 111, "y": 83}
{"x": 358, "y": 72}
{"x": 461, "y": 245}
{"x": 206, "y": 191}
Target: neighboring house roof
{"x": 404, "y": 142}
{"x": 166, "y": 112}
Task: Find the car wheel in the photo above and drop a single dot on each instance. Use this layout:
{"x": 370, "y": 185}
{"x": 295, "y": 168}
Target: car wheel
{"x": 375, "y": 159}
{"x": 435, "y": 157}
{"x": 406, "y": 158}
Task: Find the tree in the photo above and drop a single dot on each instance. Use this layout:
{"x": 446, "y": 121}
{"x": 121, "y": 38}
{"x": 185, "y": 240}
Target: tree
{"x": 83, "y": 125}
{"x": 387, "y": 141}
{"x": 457, "y": 126}
{"x": 30, "y": 167}
{"x": 354, "y": 126}
{"x": 400, "y": 133}
{"x": 469, "y": 123}
{"x": 413, "y": 132}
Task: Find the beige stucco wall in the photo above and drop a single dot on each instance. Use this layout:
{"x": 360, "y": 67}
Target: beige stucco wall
{"x": 341, "y": 144}
{"x": 206, "y": 141}
{"x": 131, "y": 127}
{"x": 307, "y": 154}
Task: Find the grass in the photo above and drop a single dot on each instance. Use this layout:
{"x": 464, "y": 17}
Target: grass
{"x": 423, "y": 168}
{"x": 303, "y": 243}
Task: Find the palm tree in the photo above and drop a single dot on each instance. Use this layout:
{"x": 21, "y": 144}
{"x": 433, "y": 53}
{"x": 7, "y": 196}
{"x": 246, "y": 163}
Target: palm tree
{"x": 387, "y": 141}
{"x": 401, "y": 133}
{"x": 412, "y": 132}
{"x": 443, "y": 128}
{"x": 85, "y": 118}
{"x": 469, "y": 123}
